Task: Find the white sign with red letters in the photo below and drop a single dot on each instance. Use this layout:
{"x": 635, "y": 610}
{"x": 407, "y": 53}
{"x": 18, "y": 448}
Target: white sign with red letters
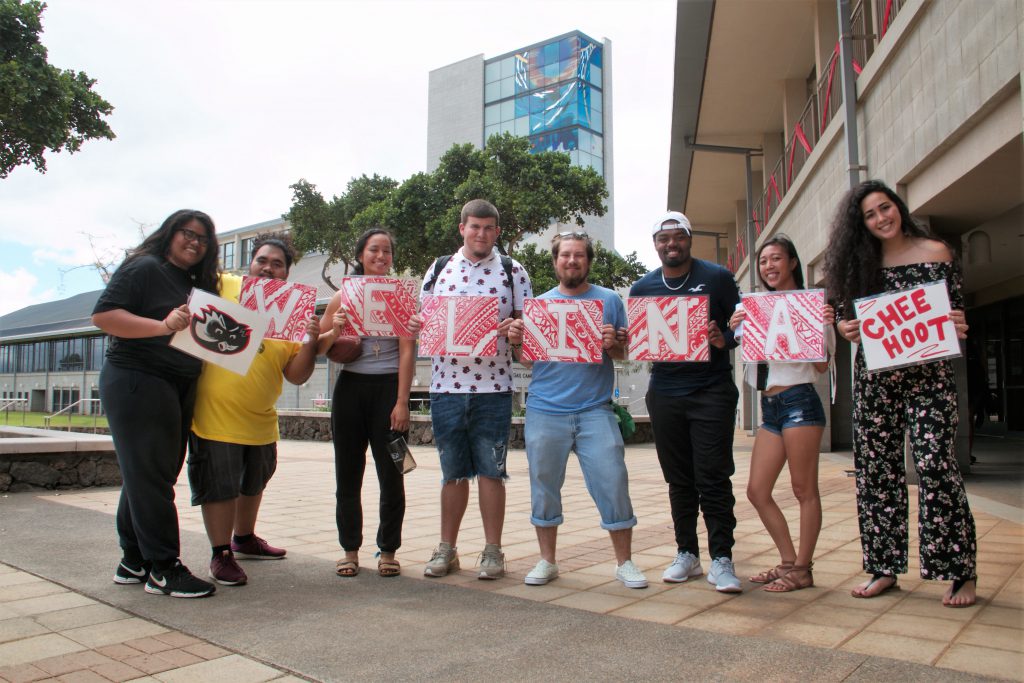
{"x": 908, "y": 327}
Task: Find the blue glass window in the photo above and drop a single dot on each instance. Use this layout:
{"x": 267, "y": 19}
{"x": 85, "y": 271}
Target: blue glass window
{"x": 492, "y": 72}
{"x": 596, "y": 100}
{"x": 492, "y": 91}
{"x": 492, "y": 114}
{"x": 508, "y": 87}
{"x": 522, "y": 127}
{"x": 508, "y": 110}
{"x": 567, "y": 47}
{"x": 508, "y": 67}
{"x": 489, "y": 131}
{"x": 523, "y": 105}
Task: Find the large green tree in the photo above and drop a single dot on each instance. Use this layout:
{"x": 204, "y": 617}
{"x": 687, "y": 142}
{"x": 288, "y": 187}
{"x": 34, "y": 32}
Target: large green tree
{"x": 42, "y": 108}
{"x": 330, "y": 227}
{"x": 530, "y": 190}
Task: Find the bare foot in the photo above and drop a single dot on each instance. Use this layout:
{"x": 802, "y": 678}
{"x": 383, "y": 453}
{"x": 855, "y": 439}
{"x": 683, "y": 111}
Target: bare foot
{"x": 874, "y": 586}
{"x": 965, "y": 597}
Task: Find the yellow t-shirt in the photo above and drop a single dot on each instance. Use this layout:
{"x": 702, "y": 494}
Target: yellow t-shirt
{"x": 236, "y": 409}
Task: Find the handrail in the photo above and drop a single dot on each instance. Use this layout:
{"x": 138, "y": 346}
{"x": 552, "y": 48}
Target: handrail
{"x": 10, "y": 403}
{"x": 67, "y": 409}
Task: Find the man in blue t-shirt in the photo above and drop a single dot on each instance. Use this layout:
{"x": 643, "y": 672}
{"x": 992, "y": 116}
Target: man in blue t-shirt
{"x": 693, "y": 409}
{"x": 568, "y": 409}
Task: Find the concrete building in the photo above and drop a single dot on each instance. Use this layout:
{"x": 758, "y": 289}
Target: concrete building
{"x": 557, "y": 92}
{"x": 938, "y": 116}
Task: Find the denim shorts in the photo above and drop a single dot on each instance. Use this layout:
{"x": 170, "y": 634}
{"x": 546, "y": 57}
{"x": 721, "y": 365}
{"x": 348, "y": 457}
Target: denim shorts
{"x": 594, "y": 436}
{"x": 797, "y": 406}
{"x": 221, "y": 471}
{"x": 471, "y": 432}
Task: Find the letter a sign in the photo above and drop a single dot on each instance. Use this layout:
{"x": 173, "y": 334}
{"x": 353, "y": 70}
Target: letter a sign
{"x": 784, "y": 326}
{"x": 668, "y": 328}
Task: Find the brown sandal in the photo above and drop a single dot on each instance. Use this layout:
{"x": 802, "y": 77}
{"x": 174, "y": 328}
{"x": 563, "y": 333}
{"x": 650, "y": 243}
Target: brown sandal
{"x": 797, "y": 578}
{"x": 389, "y": 568}
{"x": 769, "y": 575}
{"x": 346, "y": 568}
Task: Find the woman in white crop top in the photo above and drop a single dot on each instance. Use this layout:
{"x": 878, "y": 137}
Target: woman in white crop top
{"x": 790, "y": 434}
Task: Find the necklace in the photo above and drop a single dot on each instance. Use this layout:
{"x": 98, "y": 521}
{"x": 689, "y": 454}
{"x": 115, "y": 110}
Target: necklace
{"x": 376, "y": 348}
{"x": 681, "y": 284}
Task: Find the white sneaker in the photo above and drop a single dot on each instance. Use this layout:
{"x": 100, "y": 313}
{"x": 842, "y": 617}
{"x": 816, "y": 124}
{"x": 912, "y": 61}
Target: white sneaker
{"x": 685, "y": 566}
{"x": 541, "y": 574}
{"x": 723, "y": 577}
{"x": 630, "y": 575}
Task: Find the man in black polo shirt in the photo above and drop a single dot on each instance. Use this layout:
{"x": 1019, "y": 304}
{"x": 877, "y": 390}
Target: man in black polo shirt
{"x": 693, "y": 410}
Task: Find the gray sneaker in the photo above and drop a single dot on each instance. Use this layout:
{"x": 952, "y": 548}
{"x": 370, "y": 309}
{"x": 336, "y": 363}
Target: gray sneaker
{"x": 444, "y": 560}
{"x": 630, "y": 575}
{"x": 542, "y": 573}
{"x": 492, "y": 562}
{"x": 685, "y": 566}
{"x": 723, "y": 576}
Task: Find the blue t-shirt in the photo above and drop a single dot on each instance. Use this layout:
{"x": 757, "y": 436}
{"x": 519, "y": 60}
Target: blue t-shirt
{"x": 565, "y": 388}
{"x": 682, "y": 379}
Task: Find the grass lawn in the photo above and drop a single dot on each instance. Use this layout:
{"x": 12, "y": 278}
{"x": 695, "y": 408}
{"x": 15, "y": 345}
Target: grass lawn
{"x": 19, "y": 419}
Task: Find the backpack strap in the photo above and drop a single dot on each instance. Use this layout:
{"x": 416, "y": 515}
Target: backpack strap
{"x": 439, "y": 265}
{"x": 442, "y": 261}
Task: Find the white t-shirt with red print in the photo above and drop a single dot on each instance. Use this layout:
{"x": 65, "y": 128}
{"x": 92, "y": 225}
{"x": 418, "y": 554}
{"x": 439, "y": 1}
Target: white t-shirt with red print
{"x": 462, "y": 277}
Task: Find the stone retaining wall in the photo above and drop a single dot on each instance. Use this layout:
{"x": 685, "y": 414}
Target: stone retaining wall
{"x": 316, "y": 426}
{"x": 47, "y": 459}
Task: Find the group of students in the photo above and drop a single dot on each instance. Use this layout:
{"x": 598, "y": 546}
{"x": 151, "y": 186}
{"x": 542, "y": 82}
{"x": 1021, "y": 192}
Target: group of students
{"x": 149, "y": 389}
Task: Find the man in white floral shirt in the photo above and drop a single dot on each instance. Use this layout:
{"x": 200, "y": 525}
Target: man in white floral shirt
{"x": 471, "y": 397}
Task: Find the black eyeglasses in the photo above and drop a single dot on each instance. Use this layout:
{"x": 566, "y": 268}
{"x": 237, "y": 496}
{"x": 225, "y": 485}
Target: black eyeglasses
{"x": 192, "y": 235}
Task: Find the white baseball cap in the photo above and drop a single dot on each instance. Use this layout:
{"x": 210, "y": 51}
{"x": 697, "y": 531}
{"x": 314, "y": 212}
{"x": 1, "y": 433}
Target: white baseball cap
{"x": 683, "y": 221}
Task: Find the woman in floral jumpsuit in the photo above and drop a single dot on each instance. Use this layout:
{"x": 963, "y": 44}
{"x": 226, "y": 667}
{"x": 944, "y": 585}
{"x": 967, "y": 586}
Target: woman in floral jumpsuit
{"x": 877, "y": 247}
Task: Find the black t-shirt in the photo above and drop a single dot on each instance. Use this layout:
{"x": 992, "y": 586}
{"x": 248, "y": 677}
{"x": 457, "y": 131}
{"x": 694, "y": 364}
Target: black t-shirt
{"x": 148, "y": 287}
{"x": 682, "y": 379}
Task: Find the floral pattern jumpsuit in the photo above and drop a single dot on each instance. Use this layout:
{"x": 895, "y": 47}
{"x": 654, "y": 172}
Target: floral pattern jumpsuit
{"x": 920, "y": 400}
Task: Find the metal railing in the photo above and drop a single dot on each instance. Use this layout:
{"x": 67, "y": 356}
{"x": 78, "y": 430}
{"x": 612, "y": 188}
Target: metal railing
{"x": 19, "y": 404}
{"x": 886, "y": 11}
{"x": 819, "y": 111}
{"x": 68, "y": 410}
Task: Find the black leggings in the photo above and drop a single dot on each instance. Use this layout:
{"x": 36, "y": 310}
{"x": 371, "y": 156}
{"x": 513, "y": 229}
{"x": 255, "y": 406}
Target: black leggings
{"x": 360, "y": 415}
{"x": 149, "y": 418}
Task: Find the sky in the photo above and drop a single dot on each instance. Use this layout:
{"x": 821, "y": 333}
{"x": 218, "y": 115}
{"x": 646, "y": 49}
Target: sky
{"x": 220, "y": 105}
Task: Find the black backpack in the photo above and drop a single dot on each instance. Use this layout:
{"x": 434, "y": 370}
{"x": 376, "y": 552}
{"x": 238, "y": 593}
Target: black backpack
{"x": 442, "y": 261}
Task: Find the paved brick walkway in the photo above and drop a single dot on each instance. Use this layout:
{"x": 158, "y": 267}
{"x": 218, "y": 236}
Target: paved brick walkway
{"x": 48, "y": 632}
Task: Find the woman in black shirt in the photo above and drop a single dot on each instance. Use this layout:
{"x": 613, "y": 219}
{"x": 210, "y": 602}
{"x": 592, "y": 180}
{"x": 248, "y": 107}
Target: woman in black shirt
{"x": 148, "y": 391}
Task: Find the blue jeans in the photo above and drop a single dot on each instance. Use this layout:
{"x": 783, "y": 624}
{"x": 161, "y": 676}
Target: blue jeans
{"x": 471, "y": 433}
{"x": 594, "y": 435}
{"x": 797, "y": 406}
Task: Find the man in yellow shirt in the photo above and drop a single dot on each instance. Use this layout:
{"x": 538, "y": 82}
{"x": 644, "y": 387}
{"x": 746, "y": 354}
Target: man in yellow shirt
{"x": 233, "y": 445}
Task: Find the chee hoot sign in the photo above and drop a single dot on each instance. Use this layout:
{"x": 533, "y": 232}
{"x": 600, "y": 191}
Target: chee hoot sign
{"x": 910, "y": 327}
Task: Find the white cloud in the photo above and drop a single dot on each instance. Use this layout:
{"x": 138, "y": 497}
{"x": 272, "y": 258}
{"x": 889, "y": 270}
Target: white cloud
{"x": 18, "y": 290}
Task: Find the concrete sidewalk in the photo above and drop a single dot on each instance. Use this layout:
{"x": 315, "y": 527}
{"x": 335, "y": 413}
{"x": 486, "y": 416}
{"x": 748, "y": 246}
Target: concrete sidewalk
{"x": 59, "y": 610}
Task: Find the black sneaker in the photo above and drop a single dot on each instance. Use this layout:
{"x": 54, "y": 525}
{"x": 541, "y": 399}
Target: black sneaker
{"x": 129, "y": 572}
{"x": 178, "y": 582}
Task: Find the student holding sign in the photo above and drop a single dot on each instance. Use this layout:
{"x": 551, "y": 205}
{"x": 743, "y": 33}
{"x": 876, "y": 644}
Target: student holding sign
{"x": 371, "y": 400}
{"x": 149, "y": 391}
{"x": 233, "y": 445}
{"x": 794, "y": 420}
{"x": 693, "y": 409}
{"x": 568, "y": 410}
{"x": 877, "y": 247}
{"x": 471, "y": 396}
